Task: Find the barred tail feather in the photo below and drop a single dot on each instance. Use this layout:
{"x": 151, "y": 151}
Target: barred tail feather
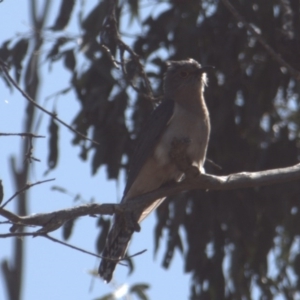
{"x": 115, "y": 249}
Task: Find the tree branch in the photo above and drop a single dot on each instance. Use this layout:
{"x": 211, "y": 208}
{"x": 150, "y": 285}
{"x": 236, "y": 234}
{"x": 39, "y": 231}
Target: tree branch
{"x": 30, "y": 136}
{"x": 4, "y": 68}
{"x": 110, "y": 28}
{"x": 26, "y": 187}
{"x": 53, "y": 220}
{"x": 25, "y": 134}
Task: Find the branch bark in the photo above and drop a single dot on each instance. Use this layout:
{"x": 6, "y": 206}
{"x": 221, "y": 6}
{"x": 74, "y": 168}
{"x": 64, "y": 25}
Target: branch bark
{"x": 53, "y": 220}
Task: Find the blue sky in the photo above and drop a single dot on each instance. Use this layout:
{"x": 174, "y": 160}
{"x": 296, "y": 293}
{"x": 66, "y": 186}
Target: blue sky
{"x": 53, "y": 271}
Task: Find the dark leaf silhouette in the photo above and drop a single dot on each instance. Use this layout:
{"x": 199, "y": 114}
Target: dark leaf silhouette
{"x": 53, "y": 144}
{"x": 68, "y": 229}
{"x": 104, "y": 228}
{"x": 1, "y": 192}
{"x": 70, "y": 61}
{"x": 139, "y": 290}
{"x": 18, "y": 53}
{"x": 65, "y": 11}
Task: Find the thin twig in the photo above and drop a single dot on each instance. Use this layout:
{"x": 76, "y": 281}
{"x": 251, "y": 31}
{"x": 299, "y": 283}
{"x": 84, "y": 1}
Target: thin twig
{"x": 114, "y": 61}
{"x": 17, "y": 234}
{"x": 88, "y": 252}
{"x": 56, "y": 94}
{"x": 26, "y": 187}
{"x": 25, "y": 95}
{"x": 69, "y": 245}
{"x": 120, "y": 260}
{"x": 36, "y": 234}
{"x": 138, "y": 253}
{"x": 25, "y": 134}
{"x": 28, "y": 155}
{"x": 218, "y": 167}
{"x": 110, "y": 26}
{"x": 295, "y": 73}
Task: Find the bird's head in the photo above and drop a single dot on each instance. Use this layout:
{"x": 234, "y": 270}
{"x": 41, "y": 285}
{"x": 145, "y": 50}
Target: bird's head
{"x": 185, "y": 76}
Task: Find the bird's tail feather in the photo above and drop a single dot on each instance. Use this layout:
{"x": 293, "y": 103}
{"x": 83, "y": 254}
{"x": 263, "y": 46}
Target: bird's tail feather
{"x": 115, "y": 249}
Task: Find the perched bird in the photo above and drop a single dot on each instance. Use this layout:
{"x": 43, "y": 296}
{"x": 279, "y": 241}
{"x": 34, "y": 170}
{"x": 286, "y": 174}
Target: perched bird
{"x": 181, "y": 115}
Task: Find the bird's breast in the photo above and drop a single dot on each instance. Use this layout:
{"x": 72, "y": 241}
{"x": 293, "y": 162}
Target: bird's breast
{"x": 185, "y": 125}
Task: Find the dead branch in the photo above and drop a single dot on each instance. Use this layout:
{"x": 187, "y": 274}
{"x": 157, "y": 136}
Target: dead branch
{"x": 4, "y": 68}
{"x": 24, "y": 134}
{"x": 30, "y": 136}
{"x": 53, "y": 220}
{"x": 26, "y": 187}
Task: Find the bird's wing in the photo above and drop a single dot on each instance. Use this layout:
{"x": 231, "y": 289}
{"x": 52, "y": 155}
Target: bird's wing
{"x": 148, "y": 139}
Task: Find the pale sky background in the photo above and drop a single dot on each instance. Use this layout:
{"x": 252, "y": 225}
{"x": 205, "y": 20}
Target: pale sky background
{"x": 53, "y": 271}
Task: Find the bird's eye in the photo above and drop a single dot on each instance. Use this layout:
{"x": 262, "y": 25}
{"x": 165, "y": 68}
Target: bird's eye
{"x": 183, "y": 74}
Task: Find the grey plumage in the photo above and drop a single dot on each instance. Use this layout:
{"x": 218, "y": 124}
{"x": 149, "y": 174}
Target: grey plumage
{"x": 182, "y": 114}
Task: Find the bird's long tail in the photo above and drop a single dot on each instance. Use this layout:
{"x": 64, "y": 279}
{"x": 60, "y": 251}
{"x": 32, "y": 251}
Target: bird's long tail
{"x": 119, "y": 237}
{"x": 116, "y": 245}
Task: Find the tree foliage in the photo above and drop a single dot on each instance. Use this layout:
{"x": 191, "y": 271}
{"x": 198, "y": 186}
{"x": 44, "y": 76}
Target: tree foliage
{"x": 226, "y": 237}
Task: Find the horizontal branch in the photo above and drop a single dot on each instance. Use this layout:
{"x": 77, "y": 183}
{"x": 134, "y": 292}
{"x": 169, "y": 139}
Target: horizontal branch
{"x": 25, "y": 134}
{"x": 53, "y": 220}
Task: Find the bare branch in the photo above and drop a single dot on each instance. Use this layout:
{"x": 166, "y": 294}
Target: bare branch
{"x": 114, "y": 61}
{"x": 110, "y": 28}
{"x": 53, "y": 220}
{"x": 88, "y": 252}
{"x": 25, "y": 134}
{"x": 268, "y": 48}
{"x": 4, "y": 68}
{"x": 34, "y": 234}
{"x": 26, "y": 187}
{"x": 69, "y": 245}
{"x": 17, "y": 234}
{"x": 28, "y": 155}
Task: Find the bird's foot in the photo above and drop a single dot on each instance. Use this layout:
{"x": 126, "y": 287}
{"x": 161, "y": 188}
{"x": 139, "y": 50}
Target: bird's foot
{"x": 131, "y": 221}
{"x": 192, "y": 172}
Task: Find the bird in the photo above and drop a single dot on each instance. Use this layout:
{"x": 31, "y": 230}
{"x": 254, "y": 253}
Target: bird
{"x": 182, "y": 115}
